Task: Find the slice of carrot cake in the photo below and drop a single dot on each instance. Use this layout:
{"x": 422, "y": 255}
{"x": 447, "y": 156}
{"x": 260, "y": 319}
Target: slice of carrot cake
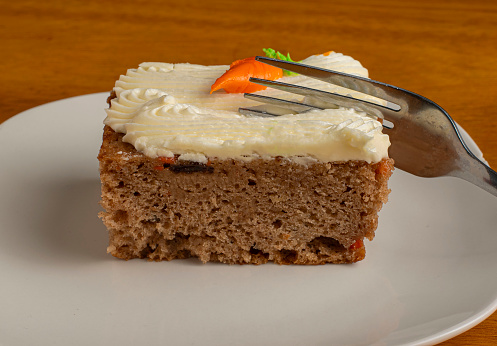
{"x": 184, "y": 174}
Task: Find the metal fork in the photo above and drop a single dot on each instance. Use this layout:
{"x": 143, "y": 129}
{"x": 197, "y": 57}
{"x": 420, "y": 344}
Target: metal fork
{"x": 424, "y": 139}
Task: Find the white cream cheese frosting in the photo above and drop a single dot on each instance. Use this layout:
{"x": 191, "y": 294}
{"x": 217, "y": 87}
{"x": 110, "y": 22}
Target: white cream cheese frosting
{"x": 166, "y": 109}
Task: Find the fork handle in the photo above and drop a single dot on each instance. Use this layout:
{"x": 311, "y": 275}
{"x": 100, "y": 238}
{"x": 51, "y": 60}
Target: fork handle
{"x": 478, "y": 173}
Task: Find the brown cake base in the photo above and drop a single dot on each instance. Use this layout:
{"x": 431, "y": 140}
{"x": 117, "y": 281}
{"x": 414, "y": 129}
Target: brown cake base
{"x": 238, "y": 212}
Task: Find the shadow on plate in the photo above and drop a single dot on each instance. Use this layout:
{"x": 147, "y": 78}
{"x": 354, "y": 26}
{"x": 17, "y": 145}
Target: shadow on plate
{"x": 66, "y": 227}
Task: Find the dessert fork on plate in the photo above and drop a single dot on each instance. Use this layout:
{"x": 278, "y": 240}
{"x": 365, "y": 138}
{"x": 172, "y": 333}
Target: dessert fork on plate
{"x": 425, "y": 141}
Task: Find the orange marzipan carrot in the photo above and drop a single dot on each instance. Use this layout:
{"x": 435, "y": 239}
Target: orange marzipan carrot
{"x": 236, "y": 79}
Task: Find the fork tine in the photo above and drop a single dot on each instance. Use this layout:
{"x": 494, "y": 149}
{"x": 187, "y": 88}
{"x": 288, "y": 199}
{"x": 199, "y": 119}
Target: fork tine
{"x": 292, "y": 105}
{"x": 367, "y": 86}
{"x": 256, "y": 112}
{"x": 328, "y": 98}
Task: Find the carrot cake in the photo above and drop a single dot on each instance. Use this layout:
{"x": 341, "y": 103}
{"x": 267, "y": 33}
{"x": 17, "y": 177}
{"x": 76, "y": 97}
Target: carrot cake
{"x": 184, "y": 174}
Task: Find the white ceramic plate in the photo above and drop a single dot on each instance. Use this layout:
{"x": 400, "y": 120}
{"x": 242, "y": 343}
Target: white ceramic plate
{"x": 428, "y": 275}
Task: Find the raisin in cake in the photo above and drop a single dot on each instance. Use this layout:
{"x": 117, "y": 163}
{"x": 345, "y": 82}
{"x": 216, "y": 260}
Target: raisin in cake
{"x": 185, "y": 175}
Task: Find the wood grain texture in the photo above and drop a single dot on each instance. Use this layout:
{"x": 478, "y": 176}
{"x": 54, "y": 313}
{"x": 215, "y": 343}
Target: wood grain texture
{"x": 444, "y": 50}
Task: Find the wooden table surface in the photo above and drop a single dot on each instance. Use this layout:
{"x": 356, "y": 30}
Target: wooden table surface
{"x": 444, "y": 50}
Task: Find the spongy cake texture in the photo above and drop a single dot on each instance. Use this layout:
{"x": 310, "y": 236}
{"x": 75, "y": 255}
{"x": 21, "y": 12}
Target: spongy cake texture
{"x": 236, "y": 211}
